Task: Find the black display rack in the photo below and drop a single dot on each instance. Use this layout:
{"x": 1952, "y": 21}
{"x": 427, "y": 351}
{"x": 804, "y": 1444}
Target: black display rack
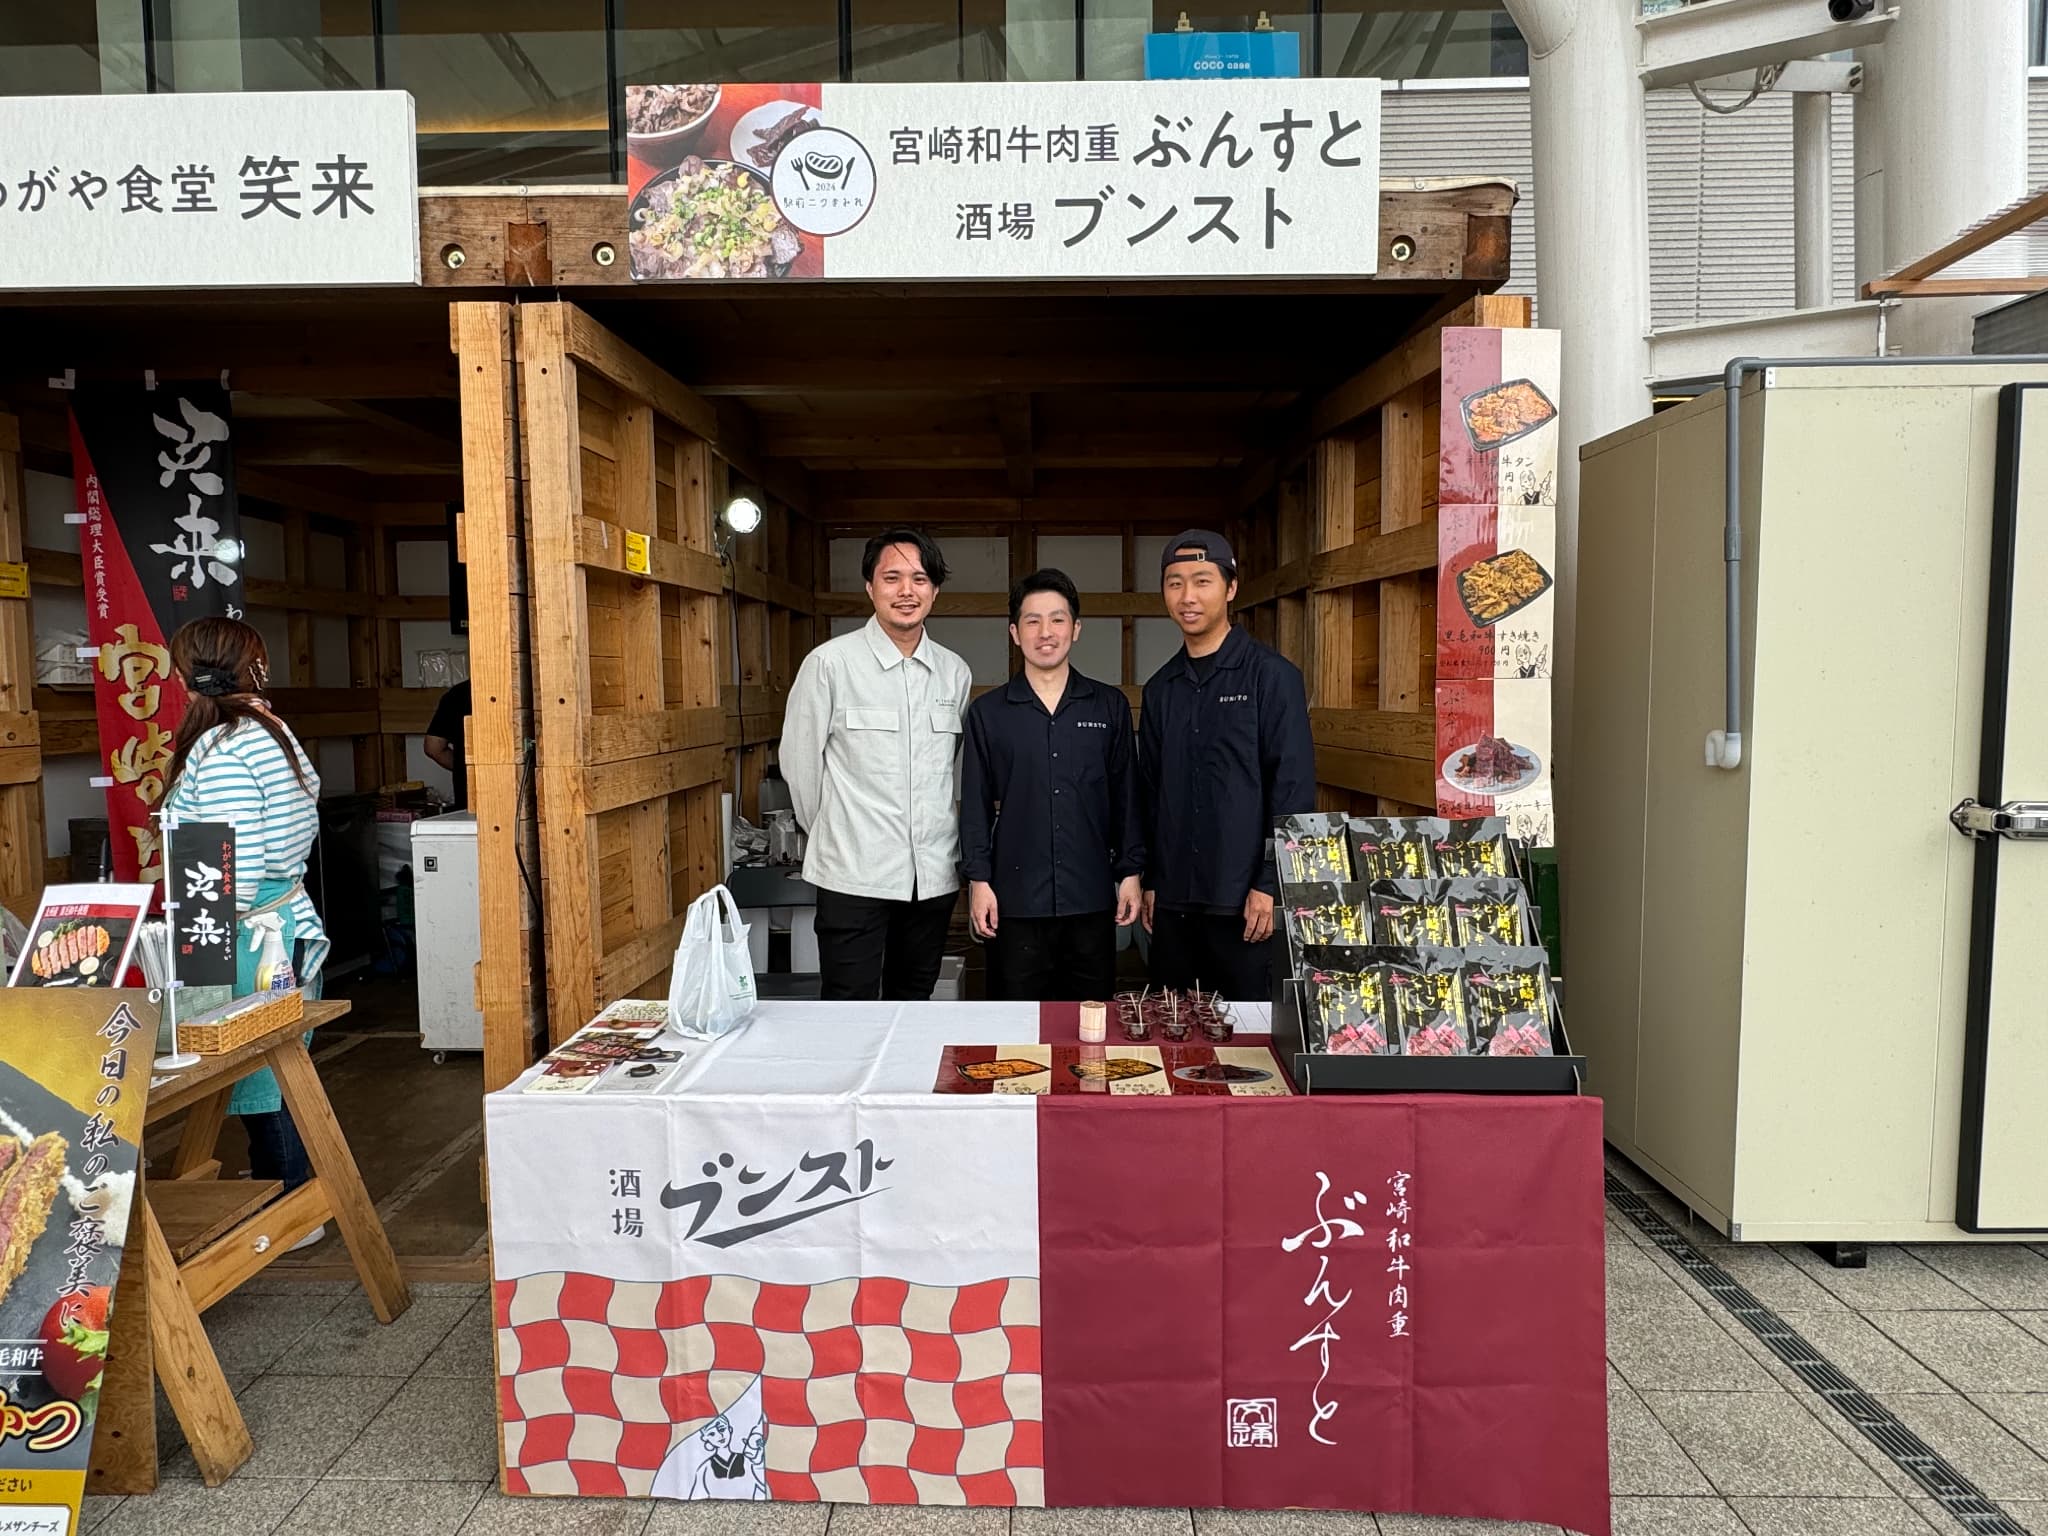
{"x": 1322, "y": 1072}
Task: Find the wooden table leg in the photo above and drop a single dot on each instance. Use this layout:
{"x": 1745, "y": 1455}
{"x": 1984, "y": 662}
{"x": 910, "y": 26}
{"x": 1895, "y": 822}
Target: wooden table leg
{"x": 124, "y": 1429}
{"x": 328, "y": 1151}
{"x": 195, "y": 1159}
{"x": 190, "y": 1373}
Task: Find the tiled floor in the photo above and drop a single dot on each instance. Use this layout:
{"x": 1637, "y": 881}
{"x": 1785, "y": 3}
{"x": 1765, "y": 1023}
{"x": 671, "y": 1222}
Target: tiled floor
{"x": 390, "y": 1430}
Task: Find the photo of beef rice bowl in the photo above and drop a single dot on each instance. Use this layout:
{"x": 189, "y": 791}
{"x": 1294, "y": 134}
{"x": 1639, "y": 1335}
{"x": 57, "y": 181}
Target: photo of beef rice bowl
{"x": 712, "y": 219}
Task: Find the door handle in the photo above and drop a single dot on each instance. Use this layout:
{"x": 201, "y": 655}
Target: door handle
{"x": 2022, "y": 820}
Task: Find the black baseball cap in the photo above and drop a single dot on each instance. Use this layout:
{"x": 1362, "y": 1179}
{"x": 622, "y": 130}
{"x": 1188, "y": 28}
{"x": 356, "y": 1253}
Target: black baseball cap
{"x": 1212, "y": 547}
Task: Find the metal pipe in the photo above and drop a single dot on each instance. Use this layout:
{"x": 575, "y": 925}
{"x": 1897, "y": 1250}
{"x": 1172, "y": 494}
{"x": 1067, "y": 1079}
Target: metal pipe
{"x": 1724, "y": 746}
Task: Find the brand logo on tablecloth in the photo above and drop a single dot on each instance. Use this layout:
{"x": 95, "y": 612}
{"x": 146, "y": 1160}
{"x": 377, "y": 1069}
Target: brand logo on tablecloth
{"x": 1251, "y": 1424}
{"x": 805, "y": 1191}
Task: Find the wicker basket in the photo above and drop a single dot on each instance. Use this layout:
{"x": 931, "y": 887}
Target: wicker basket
{"x": 234, "y": 1024}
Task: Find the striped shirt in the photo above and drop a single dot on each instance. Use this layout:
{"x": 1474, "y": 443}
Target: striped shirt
{"x": 238, "y": 774}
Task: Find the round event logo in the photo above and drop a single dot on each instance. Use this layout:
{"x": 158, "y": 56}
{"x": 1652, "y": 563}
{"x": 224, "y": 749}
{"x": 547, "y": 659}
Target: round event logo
{"x": 824, "y": 181}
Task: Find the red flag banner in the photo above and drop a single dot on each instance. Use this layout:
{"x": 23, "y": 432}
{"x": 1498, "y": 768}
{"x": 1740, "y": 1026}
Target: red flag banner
{"x": 160, "y": 542}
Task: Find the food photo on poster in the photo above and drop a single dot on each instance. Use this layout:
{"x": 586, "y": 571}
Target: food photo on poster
{"x": 74, "y": 1074}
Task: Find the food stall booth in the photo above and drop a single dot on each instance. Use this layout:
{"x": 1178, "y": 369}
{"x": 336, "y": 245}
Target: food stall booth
{"x": 958, "y": 1253}
{"x": 1264, "y": 1298}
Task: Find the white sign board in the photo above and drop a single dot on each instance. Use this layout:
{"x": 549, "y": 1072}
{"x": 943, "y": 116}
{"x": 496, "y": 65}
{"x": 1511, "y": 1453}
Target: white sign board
{"x": 1079, "y": 179}
{"x": 283, "y": 189}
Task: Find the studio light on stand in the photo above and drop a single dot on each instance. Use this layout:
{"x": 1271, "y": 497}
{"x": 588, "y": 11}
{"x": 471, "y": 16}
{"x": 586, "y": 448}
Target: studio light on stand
{"x": 742, "y": 515}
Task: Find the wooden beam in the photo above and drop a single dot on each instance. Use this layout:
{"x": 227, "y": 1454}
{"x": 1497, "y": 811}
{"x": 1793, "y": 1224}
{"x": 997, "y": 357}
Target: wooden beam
{"x": 2009, "y": 220}
{"x": 502, "y": 792}
{"x": 1014, "y": 420}
{"x": 601, "y": 546}
{"x": 1413, "y": 360}
{"x": 277, "y": 444}
{"x": 996, "y": 605}
{"x": 1378, "y": 733}
{"x": 1334, "y": 467}
{"x": 1955, "y": 288}
{"x": 1410, "y": 549}
{"x": 1411, "y": 781}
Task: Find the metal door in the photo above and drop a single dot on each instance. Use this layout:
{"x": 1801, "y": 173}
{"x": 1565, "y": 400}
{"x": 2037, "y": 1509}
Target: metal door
{"x": 2002, "y": 1183}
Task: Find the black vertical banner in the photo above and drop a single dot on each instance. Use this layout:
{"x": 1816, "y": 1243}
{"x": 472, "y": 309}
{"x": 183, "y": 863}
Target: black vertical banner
{"x": 200, "y": 865}
{"x": 166, "y": 467}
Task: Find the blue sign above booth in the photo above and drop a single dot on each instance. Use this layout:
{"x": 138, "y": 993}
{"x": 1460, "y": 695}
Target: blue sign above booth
{"x": 1222, "y": 55}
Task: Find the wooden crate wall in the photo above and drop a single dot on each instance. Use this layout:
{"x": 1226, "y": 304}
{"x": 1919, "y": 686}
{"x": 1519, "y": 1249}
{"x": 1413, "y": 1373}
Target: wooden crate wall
{"x": 21, "y": 767}
{"x": 1343, "y": 534}
{"x": 511, "y": 981}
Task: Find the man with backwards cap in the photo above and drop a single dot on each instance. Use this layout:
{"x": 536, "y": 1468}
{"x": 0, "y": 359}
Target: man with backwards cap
{"x": 1224, "y": 750}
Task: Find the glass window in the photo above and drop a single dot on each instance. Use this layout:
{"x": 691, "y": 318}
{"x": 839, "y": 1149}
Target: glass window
{"x": 2038, "y": 53}
{"x": 70, "y": 50}
{"x": 940, "y": 40}
{"x": 1396, "y": 42}
{"x": 685, "y": 42}
{"x": 504, "y": 90}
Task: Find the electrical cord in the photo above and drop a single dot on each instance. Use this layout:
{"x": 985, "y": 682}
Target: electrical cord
{"x": 1766, "y": 77}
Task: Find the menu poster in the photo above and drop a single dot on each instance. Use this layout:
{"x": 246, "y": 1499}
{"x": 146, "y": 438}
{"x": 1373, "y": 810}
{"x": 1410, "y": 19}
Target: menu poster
{"x": 74, "y": 1072}
{"x": 83, "y": 936}
{"x": 1493, "y": 745}
{"x": 1496, "y": 600}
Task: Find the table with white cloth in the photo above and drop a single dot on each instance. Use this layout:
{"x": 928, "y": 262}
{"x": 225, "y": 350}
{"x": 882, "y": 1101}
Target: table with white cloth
{"x": 799, "y": 1272}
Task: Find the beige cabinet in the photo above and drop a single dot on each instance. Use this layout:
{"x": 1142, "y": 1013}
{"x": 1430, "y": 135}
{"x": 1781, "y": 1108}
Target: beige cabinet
{"x": 1816, "y": 1010}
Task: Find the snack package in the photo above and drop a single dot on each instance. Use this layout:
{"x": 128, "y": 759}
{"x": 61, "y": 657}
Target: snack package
{"x": 1507, "y": 1001}
{"x": 1474, "y": 847}
{"x": 1490, "y": 911}
{"x": 1396, "y": 848}
{"x": 1347, "y": 1012}
{"x": 1406, "y": 913}
{"x": 1314, "y": 847}
{"x": 1325, "y": 912}
{"x": 1426, "y": 1004}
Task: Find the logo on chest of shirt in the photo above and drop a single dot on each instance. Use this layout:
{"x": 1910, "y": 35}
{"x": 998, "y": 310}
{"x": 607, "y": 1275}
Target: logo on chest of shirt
{"x": 1091, "y": 725}
{"x": 1234, "y": 698}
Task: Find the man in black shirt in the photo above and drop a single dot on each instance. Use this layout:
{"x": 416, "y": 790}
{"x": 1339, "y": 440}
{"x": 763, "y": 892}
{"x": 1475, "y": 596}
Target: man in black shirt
{"x": 1224, "y": 749}
{"x": 444, "y": 738}
{"x": 1049, "y": 811}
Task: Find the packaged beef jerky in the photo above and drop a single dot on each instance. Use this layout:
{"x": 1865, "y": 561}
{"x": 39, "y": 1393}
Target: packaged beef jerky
{"x": 1314, "y": 847}
{"x": 1347, "y": 1011}
{"x": 1327, "y": 912}
{"x": 1394, "y": 849}
{"x": 1490, "y": 911}
{"x": 1411, "y": 912}
{"x": 1507, "y": 1001}
{"x": 1474, "y": 847}
{"x": 1426, "y": 1004}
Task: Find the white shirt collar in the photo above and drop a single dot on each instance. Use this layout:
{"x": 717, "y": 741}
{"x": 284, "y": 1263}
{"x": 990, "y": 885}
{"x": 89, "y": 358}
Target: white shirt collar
{"x": 886, "y": 652}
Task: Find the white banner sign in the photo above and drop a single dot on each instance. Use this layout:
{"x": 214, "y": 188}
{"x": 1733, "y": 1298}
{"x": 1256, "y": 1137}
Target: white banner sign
{"x": 260, "y": 189}
{"x": 1083, "y": 179}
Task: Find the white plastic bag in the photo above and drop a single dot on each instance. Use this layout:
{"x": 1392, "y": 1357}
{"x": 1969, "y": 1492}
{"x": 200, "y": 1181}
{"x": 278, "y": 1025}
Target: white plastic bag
{"x": 711, "y": 988}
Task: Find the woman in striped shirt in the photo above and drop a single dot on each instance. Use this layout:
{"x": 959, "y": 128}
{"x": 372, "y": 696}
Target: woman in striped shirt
{"x": 237, "y": 762}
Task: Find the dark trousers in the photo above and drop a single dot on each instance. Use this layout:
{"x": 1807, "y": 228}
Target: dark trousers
{"x": 1053, "y": 959}
{"x": 868, "y": 948}
{"x": 1209, "y": 948}
{"x": 275, "y": 1151}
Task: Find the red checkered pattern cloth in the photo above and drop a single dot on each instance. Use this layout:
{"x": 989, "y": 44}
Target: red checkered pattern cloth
{"x": 873, "y": 1391}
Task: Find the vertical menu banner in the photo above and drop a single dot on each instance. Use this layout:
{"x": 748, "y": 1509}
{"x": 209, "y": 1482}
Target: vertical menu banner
{"x": 1496, "y": 558}
{"x": 74, "y": 1073}
{"x": 160, "y": 541}
{"x": 200, "y": 857}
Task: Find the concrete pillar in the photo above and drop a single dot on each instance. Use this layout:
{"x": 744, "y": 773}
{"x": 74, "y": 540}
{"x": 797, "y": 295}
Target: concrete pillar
{"x": 1813, "y": 214}
{"x": 1592, "y": 247}
{"x": 1952, "y": 131}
